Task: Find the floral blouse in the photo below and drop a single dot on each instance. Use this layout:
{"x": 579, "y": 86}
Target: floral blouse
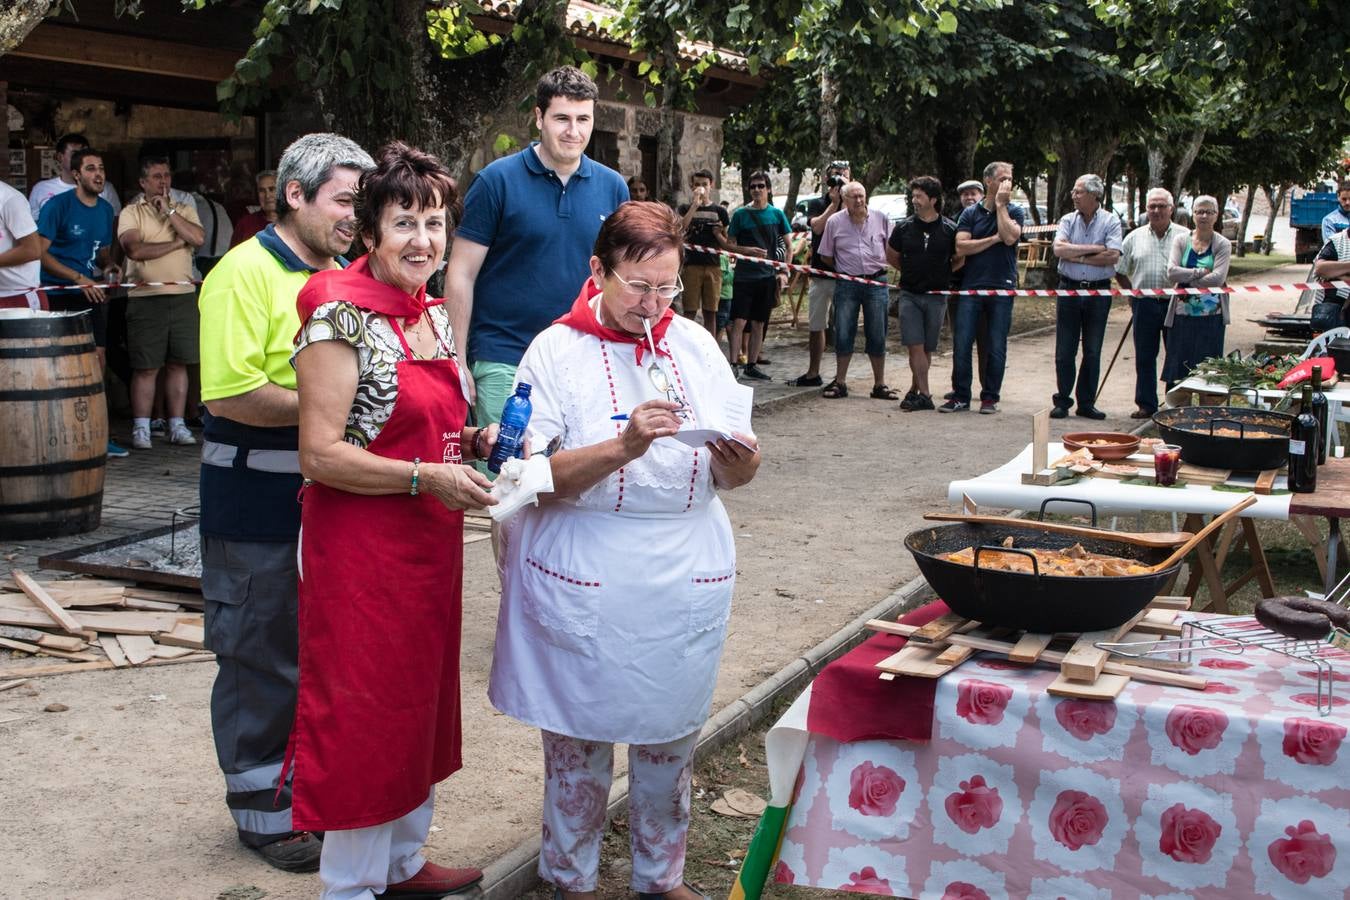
{"x": 378, "y": 353}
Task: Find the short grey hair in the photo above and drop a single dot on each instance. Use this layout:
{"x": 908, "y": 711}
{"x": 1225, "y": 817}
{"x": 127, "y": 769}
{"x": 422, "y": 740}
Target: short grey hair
{"x": 1153, "y": 192}
{"x": 265, "y": 173}
{"x": 310, "y": 160}
{"x": 991, "y": 169}
{"x": 853, "y": 187}
{"x": 1204, "y": 200}
{"x": 1094, "y": 185}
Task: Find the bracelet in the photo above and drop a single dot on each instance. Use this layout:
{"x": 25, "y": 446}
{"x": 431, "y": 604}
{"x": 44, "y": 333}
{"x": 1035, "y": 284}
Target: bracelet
{"x": 478, "y": 444}
{"x": 416, "y": 463}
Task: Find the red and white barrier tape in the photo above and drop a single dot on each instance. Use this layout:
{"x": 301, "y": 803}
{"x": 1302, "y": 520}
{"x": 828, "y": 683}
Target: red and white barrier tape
{"x": 108, "y": 285}
{"x": 1055, "y": 292}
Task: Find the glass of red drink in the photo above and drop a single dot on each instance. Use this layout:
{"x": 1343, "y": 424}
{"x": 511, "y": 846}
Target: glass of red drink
{"x": 1166, "y": 463}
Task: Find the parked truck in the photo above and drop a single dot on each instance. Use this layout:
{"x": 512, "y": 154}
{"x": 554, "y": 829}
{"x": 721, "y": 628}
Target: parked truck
{"x": 1305, "y": 218}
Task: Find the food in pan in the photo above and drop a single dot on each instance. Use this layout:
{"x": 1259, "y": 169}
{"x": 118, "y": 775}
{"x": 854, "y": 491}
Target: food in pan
{"x": 1072, "y": 561}
{"x": 1301, "y": 617}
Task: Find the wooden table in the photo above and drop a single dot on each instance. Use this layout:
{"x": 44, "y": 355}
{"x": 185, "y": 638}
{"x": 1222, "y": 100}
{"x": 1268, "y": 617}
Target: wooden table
{"x": 1331, "y": 500}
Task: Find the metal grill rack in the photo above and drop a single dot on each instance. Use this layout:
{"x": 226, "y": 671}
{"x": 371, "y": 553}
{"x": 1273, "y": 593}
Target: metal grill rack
{"x": 1235, "y": 635}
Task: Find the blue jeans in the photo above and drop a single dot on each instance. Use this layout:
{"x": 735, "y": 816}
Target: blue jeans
{"x": 1079, "y": 320}
{"x": 848, "y": 296}
{"x": 1149, "y": 315}
{"x": 998, "y": 312}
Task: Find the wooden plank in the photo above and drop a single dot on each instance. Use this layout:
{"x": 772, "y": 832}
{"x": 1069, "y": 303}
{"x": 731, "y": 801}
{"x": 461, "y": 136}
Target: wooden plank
{"x": 1165, "y": 602}
{"x": 915, "y": 659}
{"x": 940, "y": 628}
{"x": 65, "y": 44}
{"x": 34, "y": 649}
{"x": 191, "y": 636}
{"x": 1160, "y": 616}
{"x": 163, "y": 652}
{"x": 1085, "y": 660}
{"x": 14, "y": 632}
{"x": 137, "y": 647}
{"x": 1265, "y": 482}
{"x": 101, "y": 665}
{"x": 13, "y": 684}
{"x": 182, "y": 598}
{"x": 115, "y": 622}
{"x": 1168, "y": 629}
{"x": 66, "y": 642}
{"x": 114, "y": 651}
{"x": 1138, "y": 673}
{"x": 954, "y": 655}
{"x": 39, "y": 596}
{"x": 1104, "y": 687}
{"x": 1029, "y": 647}
{"x": 153, "y": 605}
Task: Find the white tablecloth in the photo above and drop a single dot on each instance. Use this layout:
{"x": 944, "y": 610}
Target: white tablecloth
{"x": 1003, "y": 488}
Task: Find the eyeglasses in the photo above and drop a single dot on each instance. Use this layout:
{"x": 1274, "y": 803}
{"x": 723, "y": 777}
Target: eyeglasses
{"x": 759, "y": 187}
{"x": 642, "y": 288}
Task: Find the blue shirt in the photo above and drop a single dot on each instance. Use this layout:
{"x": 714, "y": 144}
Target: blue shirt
{"x": 1103, "y": 229}
{"x": 994, "y": 267}
{"x": 1334, "y": 222}
{"x": 77, "y": 233}
{"x": 540, "y": 235}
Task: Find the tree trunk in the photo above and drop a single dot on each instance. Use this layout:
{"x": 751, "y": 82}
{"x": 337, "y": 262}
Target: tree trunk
{"x": 667, "y": 185}
{"x": 829, "y": 115}
{"x": 19, "y": 17}
{"x": 1246, "y": 217}
{"x": 1274, "y": 212}
{"x": 1186, "y": 160}
{"x": 794, "y": 188}
{"x": 1030, "y": 187}
{"x": 1157, "y": 165}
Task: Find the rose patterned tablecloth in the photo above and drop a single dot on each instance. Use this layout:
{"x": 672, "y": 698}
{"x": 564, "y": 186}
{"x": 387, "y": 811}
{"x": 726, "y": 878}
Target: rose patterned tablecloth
{"x": 1240, "y": 791}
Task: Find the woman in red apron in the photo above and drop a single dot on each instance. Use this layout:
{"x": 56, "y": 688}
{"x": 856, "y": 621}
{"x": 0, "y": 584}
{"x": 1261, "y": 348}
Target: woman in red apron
{"x": 382, "y": 444}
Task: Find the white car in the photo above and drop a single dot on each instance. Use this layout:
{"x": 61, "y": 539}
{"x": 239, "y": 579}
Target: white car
{"x": 895, "y": 206}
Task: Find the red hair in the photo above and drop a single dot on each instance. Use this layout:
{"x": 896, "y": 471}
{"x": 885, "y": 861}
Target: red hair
{"x": 637, "y": 231}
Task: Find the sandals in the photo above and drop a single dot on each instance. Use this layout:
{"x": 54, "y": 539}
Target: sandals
{"x": 834, "y": 390}
{"x": 882, "y": 392}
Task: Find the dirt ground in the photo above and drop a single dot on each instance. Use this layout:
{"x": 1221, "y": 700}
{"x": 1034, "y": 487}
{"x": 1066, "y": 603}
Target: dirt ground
{"x": 119, "y": 795}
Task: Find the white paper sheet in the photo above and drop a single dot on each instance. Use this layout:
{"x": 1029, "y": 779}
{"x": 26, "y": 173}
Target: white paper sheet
{"x": 734, "y": 416}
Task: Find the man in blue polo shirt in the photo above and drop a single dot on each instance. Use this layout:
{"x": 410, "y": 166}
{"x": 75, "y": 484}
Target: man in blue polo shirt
{"x": 986, "y": 235}
{"x": 524, "y": 247}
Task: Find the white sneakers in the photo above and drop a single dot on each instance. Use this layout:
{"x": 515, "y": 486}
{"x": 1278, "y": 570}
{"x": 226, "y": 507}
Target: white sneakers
{"x": 140, "y": 437}
{"x": 179, "y": 434}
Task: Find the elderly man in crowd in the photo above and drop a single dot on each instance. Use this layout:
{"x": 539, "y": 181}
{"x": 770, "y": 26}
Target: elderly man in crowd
{"x": 1143, "y": 265}
{"x": 250, "y": 516}
{"x": 854, "y": 243}
{"x": 923, "y": 247}
{"x": 820, "y": 291}
{"x": 160, "y": 236}
{"x": 1336, "y": 221}
{"x": 1088, "y": 246}
{"x": 986, "y": 235}
{"x": 265, "y": 214}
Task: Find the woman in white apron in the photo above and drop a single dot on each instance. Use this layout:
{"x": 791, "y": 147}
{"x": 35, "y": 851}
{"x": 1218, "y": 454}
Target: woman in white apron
{"x": 616, "y": 589}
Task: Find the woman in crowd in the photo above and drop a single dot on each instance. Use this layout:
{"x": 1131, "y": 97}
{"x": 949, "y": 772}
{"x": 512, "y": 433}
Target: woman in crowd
{"x": 1195, "y": 322}
{"x": 616, "y": 589}
{"x": 382, "y": 445}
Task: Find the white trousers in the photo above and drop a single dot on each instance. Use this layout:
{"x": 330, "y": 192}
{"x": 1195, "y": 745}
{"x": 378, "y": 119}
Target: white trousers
{"x": 577, "y": 777}
{"x": 358, "y": 863}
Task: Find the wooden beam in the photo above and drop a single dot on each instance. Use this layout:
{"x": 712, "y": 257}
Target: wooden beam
{"x": 38, "y": 595}
{"x": 60, "y": 43}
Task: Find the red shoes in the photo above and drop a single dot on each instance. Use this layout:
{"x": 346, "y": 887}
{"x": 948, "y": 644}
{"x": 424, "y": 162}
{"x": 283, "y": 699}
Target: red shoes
{"x": 433, "y": 881}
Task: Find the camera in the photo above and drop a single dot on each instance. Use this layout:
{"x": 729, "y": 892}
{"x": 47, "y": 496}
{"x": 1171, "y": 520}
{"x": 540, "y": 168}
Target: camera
{"x": 835, "y": 181}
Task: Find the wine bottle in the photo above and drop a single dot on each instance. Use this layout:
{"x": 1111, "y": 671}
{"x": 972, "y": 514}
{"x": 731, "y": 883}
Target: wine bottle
{"x": 1319, "y": 410}
{"x": 1303, "y": 439}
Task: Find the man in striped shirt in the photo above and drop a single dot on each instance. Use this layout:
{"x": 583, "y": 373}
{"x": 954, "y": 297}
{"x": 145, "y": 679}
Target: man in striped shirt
{"x": 1143, "y": 264}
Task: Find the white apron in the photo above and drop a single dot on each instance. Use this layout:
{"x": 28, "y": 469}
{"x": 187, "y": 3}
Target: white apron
{"x": 615, "y": 604}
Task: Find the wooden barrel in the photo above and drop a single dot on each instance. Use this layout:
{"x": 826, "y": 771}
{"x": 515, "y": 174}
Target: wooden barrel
{"x": 53, "y": 425}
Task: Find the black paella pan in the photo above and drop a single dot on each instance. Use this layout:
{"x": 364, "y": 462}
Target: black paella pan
{"x": 1227, "y": 437}
{"x": 1034, "y": 602}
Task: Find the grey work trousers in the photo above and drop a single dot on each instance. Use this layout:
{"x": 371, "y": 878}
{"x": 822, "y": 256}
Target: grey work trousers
{"x": 251, "y": 625}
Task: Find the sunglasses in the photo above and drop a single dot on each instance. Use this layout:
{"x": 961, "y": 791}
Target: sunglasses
{"x": 759, "y": 187}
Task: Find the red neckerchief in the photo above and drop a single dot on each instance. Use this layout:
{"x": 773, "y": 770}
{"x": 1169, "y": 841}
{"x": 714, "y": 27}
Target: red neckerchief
{"x": 584, "y": 319}
{"x": 356, "y": 285}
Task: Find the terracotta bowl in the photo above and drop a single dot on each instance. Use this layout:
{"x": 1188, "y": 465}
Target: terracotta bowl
{"x": 1118, "y": 444}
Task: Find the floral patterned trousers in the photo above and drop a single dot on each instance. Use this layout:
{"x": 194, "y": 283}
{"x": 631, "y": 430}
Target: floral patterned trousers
{"x": 577, "y": 777}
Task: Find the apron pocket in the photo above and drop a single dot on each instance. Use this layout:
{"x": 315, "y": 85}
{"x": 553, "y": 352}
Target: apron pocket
{"x": 709, "y": 609}
{"x": 563, "y": 604}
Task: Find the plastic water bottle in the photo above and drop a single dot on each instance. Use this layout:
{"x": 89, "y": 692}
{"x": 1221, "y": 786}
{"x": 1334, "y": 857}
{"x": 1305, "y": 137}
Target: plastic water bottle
{"x": 511, "y": 437}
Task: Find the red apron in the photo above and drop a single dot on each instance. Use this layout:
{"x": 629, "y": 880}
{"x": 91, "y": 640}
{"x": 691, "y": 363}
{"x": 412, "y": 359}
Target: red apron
{"x": 377, "y": 718}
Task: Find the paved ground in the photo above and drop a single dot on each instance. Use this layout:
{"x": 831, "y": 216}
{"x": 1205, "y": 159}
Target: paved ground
{"x": 119, "y": 795}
